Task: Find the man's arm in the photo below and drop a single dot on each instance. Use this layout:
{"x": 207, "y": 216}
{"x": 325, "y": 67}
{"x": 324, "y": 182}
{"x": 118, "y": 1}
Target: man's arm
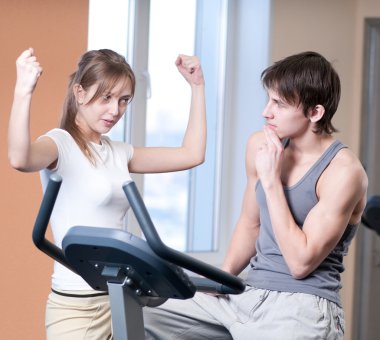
{"x": 341, "y": 191}
{"x": 243, "y": 243}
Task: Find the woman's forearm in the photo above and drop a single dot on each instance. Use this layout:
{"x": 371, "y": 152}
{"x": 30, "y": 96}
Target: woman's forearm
{"x": 195, "y": 136}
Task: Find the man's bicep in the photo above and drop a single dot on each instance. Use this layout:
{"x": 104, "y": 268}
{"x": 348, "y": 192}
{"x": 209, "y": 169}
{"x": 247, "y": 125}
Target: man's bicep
{"x": 323, "y": 228}
{"x": 341, "y": 195}
{"x": 327, "y": 221}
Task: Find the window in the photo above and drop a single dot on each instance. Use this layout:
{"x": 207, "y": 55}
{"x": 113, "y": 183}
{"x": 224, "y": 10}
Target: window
{"x": 182, "y": 204}
{"x": 167, "y": 196}
{"x": 193, "y": 210}
{"x": 106, "y": 18}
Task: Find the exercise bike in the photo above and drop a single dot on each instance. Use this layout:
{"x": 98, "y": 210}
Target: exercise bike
{"x": 134, "y": 272}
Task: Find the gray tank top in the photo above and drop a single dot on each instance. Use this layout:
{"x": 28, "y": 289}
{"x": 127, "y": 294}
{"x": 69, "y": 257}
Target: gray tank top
{"x": 268, "y": 267}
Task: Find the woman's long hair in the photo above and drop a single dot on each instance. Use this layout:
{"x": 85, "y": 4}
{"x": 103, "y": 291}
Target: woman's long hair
{"x": 102, "y": 67}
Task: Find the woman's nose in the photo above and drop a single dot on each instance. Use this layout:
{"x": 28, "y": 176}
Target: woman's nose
{"x": 114, "y": 107}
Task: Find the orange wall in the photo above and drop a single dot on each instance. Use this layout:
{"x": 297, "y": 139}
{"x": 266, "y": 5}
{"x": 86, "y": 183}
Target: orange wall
{"x": 57, "y": 30}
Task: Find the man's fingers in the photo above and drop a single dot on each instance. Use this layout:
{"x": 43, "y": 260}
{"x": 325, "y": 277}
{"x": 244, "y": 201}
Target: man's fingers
{"x": 272, "y": 137}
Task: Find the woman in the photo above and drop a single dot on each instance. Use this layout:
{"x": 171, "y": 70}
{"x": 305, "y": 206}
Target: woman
{"x": 93, "y": 167}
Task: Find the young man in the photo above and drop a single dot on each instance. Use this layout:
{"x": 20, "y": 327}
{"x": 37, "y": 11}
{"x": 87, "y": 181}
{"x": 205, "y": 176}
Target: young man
{"x": 302, "y": 205}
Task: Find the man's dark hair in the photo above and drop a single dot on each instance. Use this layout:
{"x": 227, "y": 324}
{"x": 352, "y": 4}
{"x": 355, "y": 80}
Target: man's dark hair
{"x": 306, "y": 79}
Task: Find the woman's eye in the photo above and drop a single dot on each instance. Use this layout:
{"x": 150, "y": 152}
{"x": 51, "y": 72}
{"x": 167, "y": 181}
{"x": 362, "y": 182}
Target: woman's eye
{"x": 124, "y": 101}
{"x": 106, "y": 98}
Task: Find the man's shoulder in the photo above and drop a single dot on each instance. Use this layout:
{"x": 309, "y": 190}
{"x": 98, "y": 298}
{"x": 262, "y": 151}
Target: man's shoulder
{"x": 256, "y": 139}
{"x": 344, "y": 183}
{"x": 346, "y": 167}
{"x": 347, "y": 160}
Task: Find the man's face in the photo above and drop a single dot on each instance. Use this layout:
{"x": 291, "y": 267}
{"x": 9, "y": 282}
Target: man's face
{"x": 287, "y": 120}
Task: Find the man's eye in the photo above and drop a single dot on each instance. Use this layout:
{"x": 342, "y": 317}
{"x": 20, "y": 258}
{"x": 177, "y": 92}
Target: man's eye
{"x": 279, "y": 103}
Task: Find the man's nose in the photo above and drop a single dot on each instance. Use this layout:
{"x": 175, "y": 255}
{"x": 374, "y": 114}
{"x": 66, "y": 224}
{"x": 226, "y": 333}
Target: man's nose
{"x": 267, "y": 112}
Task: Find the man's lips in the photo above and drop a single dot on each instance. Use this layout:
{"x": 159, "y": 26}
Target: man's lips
{"x": 271, "y": 126}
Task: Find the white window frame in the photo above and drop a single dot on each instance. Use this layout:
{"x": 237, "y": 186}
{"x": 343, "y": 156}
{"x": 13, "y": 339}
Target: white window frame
{"x": 247, "y": 54}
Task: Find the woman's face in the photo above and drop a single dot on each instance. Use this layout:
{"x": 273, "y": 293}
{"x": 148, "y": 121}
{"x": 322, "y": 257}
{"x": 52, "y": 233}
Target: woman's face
{"x": 97, "y": 117}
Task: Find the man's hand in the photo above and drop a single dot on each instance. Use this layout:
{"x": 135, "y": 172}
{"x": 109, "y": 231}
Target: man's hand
{"x": 269, "y": 158}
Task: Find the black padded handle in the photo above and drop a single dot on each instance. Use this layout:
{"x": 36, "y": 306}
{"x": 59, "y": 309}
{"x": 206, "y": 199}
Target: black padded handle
{"x": 232, "y": 283}
{"x": 206, "y": 285}
{"x": 42, "y": 222}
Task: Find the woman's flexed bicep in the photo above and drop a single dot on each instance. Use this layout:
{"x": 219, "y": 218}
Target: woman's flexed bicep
{"x": 192, "y": 150}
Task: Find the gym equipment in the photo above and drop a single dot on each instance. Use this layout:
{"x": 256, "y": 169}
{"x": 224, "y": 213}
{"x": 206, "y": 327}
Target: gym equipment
{"x": 371, "y": 215}
{"x": 135, "y": 272}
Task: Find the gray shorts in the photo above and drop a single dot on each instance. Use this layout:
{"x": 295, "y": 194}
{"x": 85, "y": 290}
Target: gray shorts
{"x": 255, "y": 314}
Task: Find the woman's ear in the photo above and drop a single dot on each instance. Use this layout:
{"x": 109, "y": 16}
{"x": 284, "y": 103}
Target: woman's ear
{"x": 79, "y": 93}
{"x": 316, "y": 113}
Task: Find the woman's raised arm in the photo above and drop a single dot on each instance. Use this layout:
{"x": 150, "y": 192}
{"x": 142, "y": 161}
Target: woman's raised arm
{"x": 24, "y": 155}
{"x": 192, "y": 151}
